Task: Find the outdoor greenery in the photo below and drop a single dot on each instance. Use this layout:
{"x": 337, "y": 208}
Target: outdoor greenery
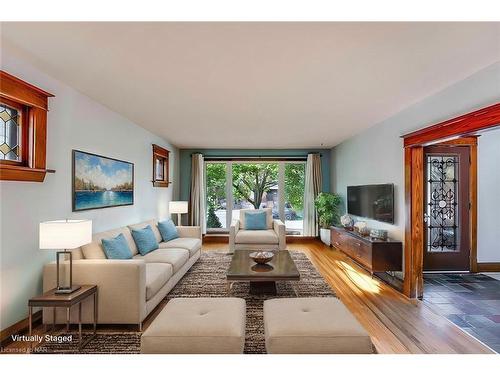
{"x": 216, "y": 192}
{"x": 212, "y": 219}
{"x": 328, "y": 208}
{"x": 294, "y": 185}
{"x": 251, "y": 181}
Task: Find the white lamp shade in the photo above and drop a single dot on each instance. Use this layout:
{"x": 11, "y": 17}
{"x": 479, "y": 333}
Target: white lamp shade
{"x": 178, "y": 207}
{"x": 65, "y": 234}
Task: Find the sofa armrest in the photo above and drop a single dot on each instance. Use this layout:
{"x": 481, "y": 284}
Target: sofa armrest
{"x": 233, "y": 231}
{"x": 279, "y": 228}
{"x": 121, "y": 287}
{"x": 189, "y": 231}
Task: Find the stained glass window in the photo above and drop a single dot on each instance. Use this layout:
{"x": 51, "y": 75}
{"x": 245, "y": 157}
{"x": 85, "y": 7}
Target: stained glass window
{"x": 10, "y": 133}
{"x": 442, "y": 197}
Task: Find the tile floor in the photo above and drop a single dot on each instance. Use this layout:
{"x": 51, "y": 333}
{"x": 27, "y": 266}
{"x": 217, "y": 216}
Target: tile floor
{"x": 471, "y": 301}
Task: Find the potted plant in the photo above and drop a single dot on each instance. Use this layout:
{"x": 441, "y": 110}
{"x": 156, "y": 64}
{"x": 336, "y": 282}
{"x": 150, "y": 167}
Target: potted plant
{"x": 328, "y": 209}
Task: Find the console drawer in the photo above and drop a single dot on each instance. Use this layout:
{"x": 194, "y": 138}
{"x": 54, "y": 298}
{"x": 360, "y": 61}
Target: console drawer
{"x": 374, "y": 255}
{"x": 361, "y": 252}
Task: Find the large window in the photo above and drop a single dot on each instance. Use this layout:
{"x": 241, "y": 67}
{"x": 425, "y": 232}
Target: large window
{"x": 232, "y": 186}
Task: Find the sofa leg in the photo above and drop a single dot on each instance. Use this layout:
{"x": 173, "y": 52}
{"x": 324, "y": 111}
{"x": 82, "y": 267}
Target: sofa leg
{"x": 139, "y": 327}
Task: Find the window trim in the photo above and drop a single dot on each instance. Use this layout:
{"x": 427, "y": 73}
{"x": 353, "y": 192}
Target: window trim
{"x": 229, "y": 161}
{"x": 34, "y": 101}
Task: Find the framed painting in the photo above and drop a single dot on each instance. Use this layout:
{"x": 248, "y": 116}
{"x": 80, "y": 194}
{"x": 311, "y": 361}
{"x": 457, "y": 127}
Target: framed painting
{"x": 100, "y": 182}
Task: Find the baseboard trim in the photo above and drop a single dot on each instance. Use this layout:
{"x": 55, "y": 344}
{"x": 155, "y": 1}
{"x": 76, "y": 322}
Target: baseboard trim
{"x": 488, "y": 267}
{"x": 22, "y": 325}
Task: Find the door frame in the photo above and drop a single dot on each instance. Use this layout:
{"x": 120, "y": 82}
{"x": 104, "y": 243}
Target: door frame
{"x": 462, "y": 130}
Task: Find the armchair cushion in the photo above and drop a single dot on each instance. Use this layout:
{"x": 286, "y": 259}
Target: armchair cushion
{"x": 267, "y": 236}
{"x": 255, "y": 220}
{"x": 269, "y": 217}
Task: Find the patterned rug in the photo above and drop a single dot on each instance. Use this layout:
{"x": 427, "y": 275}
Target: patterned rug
{"x": 207, "y": 278}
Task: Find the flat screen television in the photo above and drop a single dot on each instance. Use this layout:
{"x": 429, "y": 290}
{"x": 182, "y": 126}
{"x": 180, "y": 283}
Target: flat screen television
{"x": 372, "y": 201}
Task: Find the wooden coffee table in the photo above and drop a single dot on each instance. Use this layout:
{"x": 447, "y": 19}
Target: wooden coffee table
{"x": 262, "y": 277}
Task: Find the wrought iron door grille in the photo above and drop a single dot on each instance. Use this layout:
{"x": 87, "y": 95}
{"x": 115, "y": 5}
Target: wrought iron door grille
{"x": 442, "y": 198}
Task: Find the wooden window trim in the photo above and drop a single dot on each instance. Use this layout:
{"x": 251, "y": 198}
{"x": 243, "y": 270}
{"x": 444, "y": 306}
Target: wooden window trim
{"x": 33, "y": 102}
{"x": 162, "y": 154}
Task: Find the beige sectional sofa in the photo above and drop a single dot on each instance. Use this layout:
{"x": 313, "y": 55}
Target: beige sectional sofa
{"x": 128, "y": 290}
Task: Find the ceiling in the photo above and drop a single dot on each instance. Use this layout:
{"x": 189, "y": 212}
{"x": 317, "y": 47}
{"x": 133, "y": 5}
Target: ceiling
{"x": 257, "y": 85}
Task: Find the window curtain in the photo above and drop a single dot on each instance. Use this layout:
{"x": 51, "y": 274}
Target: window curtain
{"x": 311, "y": 191}
{"x": 197, "y": 196}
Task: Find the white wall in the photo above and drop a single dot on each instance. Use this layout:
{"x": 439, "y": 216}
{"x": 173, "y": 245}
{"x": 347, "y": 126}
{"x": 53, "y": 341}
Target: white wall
{"x": 376, "y": 155}
{"x": 74, "y": 122}
{"x": 488, "y": 196}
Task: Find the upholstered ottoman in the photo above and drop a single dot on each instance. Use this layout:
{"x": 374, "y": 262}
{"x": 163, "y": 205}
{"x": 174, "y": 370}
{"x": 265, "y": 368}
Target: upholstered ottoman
{"x": 197, "y": 326}
{"x": 312, "y": 325}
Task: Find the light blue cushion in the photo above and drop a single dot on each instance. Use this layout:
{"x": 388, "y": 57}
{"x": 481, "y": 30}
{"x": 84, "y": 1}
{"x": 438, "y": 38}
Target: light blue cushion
{"x": 145, "y": 240}
{"x": 255, "y": 220}
{"x": 168, "y": 230}
{"x": 116, "y": 248}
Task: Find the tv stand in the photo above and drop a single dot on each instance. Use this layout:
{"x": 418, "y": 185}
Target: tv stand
{"x": 372, "y": 254}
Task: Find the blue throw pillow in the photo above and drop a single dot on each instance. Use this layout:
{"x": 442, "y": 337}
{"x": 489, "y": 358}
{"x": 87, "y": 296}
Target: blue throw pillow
{"x": 116, "y": 248}
{"x": 255, "y": 220}
{"x": 168, "y": 230}
{"x": 145, "y": 240}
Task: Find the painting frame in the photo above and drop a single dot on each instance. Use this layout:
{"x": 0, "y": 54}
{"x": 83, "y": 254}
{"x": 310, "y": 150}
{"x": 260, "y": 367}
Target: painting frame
{"x": 74, "y": 191}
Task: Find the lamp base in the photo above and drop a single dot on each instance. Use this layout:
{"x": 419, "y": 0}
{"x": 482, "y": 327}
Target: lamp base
{"x": 67, "y": 290}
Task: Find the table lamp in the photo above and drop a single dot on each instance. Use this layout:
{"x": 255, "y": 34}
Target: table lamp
{"x": 179, "y": 208}
{"x": 64, "y": 235}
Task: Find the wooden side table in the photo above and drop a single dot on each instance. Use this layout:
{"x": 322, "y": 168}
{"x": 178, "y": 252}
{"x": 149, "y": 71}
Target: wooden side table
{"x": 50, "y": 299}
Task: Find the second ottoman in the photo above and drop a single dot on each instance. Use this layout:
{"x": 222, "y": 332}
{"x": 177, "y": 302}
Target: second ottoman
{"x": 197, "y": 326}
{"x": 313, "y": 326}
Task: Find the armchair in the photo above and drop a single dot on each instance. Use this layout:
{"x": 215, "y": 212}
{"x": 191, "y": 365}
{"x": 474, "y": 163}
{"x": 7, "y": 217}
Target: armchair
{"x": 272, "y": 238}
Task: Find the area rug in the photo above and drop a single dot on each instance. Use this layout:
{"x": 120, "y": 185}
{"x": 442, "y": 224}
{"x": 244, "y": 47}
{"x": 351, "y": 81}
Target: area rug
{"x": 207, "y": 278}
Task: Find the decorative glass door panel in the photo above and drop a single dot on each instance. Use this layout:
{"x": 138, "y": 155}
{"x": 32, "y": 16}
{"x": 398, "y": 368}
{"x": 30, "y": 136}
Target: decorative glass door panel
{"x": 446, "y": 208}
{"x": 442, "y": 195}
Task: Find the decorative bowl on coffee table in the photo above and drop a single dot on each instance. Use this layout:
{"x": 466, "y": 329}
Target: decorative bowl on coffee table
{"x": 261, "y": 257}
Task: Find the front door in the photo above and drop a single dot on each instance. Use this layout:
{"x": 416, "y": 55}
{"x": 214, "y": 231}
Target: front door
{"x": 447, "y": 239}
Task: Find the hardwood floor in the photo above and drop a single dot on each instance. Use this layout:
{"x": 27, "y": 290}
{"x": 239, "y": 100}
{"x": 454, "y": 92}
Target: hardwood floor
{"x": 395, "y": 323}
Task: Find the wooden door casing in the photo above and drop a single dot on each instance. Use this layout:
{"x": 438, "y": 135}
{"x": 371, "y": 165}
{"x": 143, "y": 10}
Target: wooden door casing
{"x": 453, "y": 130}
